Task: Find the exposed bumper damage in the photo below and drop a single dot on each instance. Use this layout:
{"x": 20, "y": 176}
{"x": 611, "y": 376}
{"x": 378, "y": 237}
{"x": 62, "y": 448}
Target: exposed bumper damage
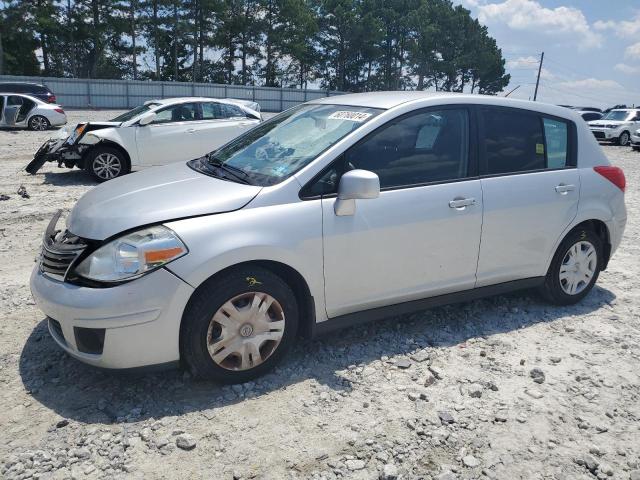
{"x": 67, "y": 150}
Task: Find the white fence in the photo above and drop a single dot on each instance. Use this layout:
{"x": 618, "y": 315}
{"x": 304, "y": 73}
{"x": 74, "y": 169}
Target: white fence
{"x": 95, "y": 93}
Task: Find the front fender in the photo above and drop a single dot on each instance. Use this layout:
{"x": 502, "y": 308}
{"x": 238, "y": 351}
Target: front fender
{"x": 290, "y": 234}
{"x": 122, "y": 137}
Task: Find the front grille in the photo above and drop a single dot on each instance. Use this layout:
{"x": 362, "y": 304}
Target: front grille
{"x": 598, "y": 134}
{"x": 59, "y": 250}
{"x": 55, "y": 327}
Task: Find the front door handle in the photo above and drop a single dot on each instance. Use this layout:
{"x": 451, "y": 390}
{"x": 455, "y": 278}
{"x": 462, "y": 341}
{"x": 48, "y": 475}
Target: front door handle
{"x": 563, "y": 188}
{"x": 191, "y": 130}
{"x": 461, "y": 203}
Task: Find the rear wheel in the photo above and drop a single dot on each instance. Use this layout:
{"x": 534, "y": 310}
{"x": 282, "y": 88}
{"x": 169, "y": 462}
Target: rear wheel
{"x": 237, "y": 327}
{"x": 623, "y": 139}
{"x": 39, "y": 123}
{"x": 574, "y": 269}
{"x": 106, "y": 163}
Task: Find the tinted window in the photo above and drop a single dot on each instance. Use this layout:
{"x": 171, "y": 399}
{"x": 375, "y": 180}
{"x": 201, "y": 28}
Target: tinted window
{"x": 184, "y": 112}
{"x": 13, "y": 100}
{"x": 512, "y": 141}
{"x": 556, "y": 134}
{"x": 591, "y": 116}
{"x": 231, "y": 111}
{"x": 424, "y": 147}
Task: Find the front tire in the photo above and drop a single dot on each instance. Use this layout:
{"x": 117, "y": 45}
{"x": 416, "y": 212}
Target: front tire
{"x": 239, "y": 326}
{"x": 574, "y": 269}
{"x": 106, "y": 163}
{"x": 623, "y": 139}
{"x": 39, "y": 123}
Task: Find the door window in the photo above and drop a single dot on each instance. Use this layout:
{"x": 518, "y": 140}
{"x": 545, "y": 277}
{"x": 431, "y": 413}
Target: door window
{"x": 232, "y": 111}
{"x": 14, "y": 101}
{"x": 212, "y": 111}
{"x": 184, "y": 112}
{"x": 424, "y": 147}
{"x": 556, "y": 134}
{"x": 512, "y": 142}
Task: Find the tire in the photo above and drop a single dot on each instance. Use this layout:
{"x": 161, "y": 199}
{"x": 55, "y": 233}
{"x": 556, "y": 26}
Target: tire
{"x": 106, "y": 163}
{"x": 241, "y": 353}
{"x": 39, "y": 123}
{"x": 557, "y": 290}
{"x": 623, "y": 139}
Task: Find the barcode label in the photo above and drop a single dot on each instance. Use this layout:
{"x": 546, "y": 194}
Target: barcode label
{"x": 346, "y": 115}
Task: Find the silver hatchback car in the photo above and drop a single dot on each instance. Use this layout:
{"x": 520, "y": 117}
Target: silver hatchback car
{"x": 337, "y": 211}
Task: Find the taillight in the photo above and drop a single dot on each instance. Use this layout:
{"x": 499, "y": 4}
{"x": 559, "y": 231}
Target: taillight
{"x": 59, "y": 110}
{"x": 51, "y": 99}
{"x": 614, "y": 174}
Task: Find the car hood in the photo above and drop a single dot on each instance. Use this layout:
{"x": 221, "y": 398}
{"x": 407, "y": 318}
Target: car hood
{"x": 153, "y": 196}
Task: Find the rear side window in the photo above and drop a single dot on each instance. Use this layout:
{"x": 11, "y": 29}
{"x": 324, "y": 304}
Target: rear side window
{"x": 512, "y": 141}
{"x": 556, "y": 135}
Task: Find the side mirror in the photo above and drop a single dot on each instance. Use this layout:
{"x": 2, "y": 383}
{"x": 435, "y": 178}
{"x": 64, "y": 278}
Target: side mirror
{"x": 147, "y": 119}
{"x": 355, "y": 185}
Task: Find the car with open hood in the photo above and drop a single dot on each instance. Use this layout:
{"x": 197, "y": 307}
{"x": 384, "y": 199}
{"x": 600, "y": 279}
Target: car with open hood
{"x": 616, "y": 125}
{"x": 338, "y": 211}
{"x": 155, "y": 133}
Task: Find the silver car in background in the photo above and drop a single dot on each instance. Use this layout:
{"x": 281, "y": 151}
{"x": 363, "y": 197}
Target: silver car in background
{"x": 338, "y": 211}
{"x": 24, "y": 111}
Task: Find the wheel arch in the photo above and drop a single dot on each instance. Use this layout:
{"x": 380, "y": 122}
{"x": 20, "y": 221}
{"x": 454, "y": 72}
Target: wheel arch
{"x": 597, "y": 225}
{"x": 291, "y": 276}
{"x": 106, "y": 143}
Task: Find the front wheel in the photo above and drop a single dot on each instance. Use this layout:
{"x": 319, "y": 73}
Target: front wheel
{"x": 39, "y": 123}
{"x": 237, "y": 327}
{"x": 106, "y": 163}
{"x": 623, "y": 139}
{"x": 574, "y": 269}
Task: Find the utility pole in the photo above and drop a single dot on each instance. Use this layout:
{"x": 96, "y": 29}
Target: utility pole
{"x": 535, "y": 95}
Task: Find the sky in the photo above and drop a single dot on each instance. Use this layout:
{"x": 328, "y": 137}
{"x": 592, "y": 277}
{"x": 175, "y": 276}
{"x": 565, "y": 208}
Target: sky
{"x": 591, "y": 48}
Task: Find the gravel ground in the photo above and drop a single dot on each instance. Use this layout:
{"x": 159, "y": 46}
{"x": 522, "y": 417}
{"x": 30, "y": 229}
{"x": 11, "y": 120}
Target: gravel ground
{"x": 506, "y": 387}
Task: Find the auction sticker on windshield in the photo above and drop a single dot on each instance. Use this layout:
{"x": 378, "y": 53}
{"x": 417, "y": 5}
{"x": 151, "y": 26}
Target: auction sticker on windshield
{"x": 347, "y": 115}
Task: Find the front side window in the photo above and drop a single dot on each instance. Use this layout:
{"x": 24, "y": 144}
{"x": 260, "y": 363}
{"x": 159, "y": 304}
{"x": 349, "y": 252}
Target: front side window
{"x": 429, "y": 146}
{"x": 212, "y": 111}
{"x": 279, "y": 147}
{"x": 232, "y": 111}
{"x": 512, "y": 141}
{"x": 184, "y": 112}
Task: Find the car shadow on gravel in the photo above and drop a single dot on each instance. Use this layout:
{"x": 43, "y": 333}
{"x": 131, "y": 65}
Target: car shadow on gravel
{"x": 68, "y": 177}
{"x": 88, "y": 395}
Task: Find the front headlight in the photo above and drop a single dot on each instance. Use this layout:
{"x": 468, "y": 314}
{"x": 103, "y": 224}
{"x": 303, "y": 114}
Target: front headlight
{"x": 132, "y": 255}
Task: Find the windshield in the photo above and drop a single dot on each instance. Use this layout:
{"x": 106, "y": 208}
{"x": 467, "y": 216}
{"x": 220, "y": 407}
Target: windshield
{"x": 617, "y": 115}
{"x": 277, "y": 148}
{"x": 125, "y": 117}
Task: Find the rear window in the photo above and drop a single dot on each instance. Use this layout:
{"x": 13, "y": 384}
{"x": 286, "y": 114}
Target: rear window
{"x": 22, "y": 88}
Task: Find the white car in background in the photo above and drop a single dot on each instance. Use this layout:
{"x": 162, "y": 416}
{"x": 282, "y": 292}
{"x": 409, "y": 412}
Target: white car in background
{"x": 635, "y": 140}
{"x": 616, "y": 125}
{"x": 156, "y": 133}
{"x": 25, "y": 111}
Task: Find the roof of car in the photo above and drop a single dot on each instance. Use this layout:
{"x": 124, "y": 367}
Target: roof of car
{"x": 25, "y": 95}
{"x": 387, "y": 100}
{"x": 171, "y": 101}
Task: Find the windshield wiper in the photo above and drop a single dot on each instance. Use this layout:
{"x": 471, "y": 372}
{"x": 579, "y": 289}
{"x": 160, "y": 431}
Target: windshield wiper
{"x": 237, "y": 173}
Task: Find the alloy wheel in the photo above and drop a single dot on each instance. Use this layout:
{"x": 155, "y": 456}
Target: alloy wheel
{"x": 578, "y": 267}
{"x": 107, "y": 166}
{"x": 245, "y": 331}
{"x": 624, "y": 139}
{"x": 39, "y": 123}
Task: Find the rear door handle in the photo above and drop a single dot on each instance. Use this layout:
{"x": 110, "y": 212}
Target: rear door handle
{"x": 563, "y": 189}
{"x": 461, "y": 203}
{"x": 191, "y": 130}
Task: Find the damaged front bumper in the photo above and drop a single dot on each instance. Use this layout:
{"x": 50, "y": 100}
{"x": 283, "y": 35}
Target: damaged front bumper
{"x": 65, "y": 151}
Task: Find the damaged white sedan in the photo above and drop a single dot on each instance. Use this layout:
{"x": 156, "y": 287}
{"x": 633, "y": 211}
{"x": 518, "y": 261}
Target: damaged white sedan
{"x": 156, "y": 133}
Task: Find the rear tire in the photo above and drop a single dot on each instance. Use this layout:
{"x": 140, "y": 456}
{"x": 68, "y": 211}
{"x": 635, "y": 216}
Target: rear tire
{"x": 239, "y": 326}
{"x": 574, "y": 269}
{"x": 39, "y": 123}
{"x": 106, "y": 163}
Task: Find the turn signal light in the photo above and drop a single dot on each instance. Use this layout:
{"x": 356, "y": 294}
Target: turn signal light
{"x": 614, "y": 174}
